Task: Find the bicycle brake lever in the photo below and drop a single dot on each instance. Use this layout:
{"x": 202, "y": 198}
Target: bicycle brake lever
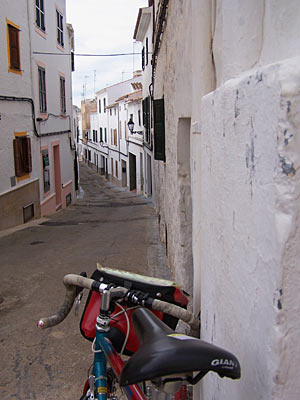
{"x": 77, "y": 303}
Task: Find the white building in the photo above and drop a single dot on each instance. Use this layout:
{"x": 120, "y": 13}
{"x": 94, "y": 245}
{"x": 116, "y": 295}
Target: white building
{"x": 144, "y": 33}
{"x": 109, "y": 154}
{"x": 228, "y": 191}
{"x": 131, "y": 143}
{"x": 36, "y": 111}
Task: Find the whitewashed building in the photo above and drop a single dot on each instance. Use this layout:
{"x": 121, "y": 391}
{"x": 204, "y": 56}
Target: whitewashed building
{"x": 109, "y": 153}
{"x": 227, "y": 74}
{"x": 36, "y": 111}
{"x": 131, "y": 143}
{"x": 143, "y": 33}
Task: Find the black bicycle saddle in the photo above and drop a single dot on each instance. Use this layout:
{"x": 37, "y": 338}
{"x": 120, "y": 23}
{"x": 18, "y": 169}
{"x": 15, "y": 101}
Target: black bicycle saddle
{"x": 162, "y": 352}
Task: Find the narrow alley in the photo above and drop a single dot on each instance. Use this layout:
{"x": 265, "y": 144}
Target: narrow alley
{"x": 107, "y": 225}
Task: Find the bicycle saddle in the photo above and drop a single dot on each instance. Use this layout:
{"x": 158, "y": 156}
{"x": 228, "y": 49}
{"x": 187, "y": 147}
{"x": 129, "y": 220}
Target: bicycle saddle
{"x": 162, "y": 352}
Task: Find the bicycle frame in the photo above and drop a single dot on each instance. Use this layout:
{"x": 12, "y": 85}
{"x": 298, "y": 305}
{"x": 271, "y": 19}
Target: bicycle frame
{"x": 104, "y": 351}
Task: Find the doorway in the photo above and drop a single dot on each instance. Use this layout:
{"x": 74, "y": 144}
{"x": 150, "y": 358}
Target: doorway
{"x": 124, "y": 173}
{"x": 57, "y": 175}
{"x": 149, "y": 176}
{"x": 132, "y": 171}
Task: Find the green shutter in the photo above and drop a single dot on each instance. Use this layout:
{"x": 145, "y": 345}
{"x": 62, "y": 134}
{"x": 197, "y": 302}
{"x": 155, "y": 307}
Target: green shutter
{"x": 159, "y": 129}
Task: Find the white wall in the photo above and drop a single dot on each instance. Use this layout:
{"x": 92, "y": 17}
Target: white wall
{"x": 173, "y": 81}
{"x": 15, "y": 116}
{"x": 250, "y": 155}
{"x": 244, "y": 180}
{"x": 245, "y": 189}
{"x": 54, "y": 66}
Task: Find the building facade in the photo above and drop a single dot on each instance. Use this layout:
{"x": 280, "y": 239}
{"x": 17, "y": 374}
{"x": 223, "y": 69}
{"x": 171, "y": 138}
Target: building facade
{"x": 120, "y": 153}
{"x": 227, "y": 192}
{"x": 143, "y": 33}
{"x": 36, "y": 111}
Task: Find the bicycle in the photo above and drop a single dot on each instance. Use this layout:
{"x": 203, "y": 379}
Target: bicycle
{"x": 133, "y": 315}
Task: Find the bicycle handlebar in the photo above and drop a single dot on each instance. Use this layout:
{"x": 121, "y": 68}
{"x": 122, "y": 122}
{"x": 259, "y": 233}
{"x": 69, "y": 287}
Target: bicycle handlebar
{"x": 72, "y": 280}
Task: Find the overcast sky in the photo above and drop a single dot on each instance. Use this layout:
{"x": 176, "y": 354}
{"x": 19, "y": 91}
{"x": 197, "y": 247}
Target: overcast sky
{"x": 103, "y": 27}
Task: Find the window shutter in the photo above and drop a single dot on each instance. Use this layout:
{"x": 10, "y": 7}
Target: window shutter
{"x": 159, "y": 129}
{"x": 14, "y": 47}
{"x": 17, "y": 157}
{"x": 143, "y": 58}
{"x": 73, "y": 62}
{"x": 27, "y": 154}
{"x": 144, "y": 111}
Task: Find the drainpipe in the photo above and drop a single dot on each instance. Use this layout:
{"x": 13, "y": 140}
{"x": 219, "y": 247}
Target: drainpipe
{"x": 119, "y": 140}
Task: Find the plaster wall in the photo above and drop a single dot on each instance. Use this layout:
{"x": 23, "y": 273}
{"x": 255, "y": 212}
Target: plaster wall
{"x": 16, "y": 117}
{"x": 135, "y": 145}
{"x": 149, "y": 189}
{"x": 250, "y": 157}
{"x": 56, "y": 66}
{"x": 244, "y": 34}
{"x": 13, "y": 84}
{"x": 173, "y": 81}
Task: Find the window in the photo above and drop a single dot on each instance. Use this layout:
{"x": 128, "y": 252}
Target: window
{"x": 139, "y": 117}
{"x": 62, "y": 95}
{"x": 115, "y": 142}
{"x": 14, "y": 48}
{"x": 104, "y": 105}
{"x": 120, "y": 129}
{"x": 99, "y": 106}
{"x": 22, "y": 155}
{"x": 42, "y": 90}
{"x": 60, "y": 28}
{"x": 125, "y": 129}
{"x": 101, "y": 135}
{"x": 95, "y": 135}
{"x": 105, "y": 135}
{"x": 40, "y": 14}
{"x": 110, "y": 111}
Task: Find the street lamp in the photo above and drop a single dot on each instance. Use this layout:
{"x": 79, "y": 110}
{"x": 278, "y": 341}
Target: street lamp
{"x": 130, "y": 125}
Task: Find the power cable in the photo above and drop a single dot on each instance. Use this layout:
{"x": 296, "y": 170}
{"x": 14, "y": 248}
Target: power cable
{"x": 87, "y": 55}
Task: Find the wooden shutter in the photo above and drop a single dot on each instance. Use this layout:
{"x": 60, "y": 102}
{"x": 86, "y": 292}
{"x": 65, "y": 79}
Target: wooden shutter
{"x": 159, "y": 129}
{"x": 17, "y": 157}
{"x": 14, "y": 47}
{"x": 143, "y": 58}
{"x": 22, "y": 155}
{"x": 27, "y": 154}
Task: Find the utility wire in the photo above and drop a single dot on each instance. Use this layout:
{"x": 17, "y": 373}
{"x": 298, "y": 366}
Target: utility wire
{"x": 87, "y": 55}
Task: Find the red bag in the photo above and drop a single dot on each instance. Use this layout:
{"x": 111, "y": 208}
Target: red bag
{"x": 156, "y": 288}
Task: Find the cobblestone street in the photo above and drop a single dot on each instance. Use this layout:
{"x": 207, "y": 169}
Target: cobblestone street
{"x": 106, "y": 224}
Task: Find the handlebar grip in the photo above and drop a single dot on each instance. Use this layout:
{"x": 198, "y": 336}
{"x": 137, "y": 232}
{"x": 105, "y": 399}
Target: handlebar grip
{"x": 71, "y": 281}
{"x": 61, "y": 314}
{"x": 177, "y": 312}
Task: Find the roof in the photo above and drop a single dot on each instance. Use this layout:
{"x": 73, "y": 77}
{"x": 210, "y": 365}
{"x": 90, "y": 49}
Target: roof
{"x": 133, "y": 96}
{"x": 142, "y": 23}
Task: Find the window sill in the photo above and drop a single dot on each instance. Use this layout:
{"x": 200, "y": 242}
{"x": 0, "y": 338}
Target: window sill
{"x": 41, "y": 32}
{"x": 60, "y": 47}
{"x": 22, "y": 178}
{"x": 15, "y": 71}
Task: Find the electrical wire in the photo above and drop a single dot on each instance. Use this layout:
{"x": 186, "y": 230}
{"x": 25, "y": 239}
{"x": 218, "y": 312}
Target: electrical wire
{"x": 87, "y": 55}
